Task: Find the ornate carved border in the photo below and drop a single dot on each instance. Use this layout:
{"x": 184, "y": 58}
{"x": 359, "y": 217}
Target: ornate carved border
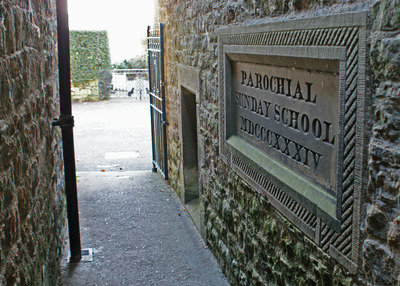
{"x": 347, "y": 31}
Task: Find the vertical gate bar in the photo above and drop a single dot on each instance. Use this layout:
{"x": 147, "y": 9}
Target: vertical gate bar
{"x": 155, "y": 46}
{"x": 67, "y": 129}
{"x": 164, "y": 118}
{"x": 154, "y": 169}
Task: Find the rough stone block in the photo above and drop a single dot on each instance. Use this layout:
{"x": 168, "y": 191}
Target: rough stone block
{"x": 394, "y": 234}
{"x": 386, "y": 16}
{"x": 377, "y": 222}
{"x": 379, "y": 264}
{"x": 385, "y": 57}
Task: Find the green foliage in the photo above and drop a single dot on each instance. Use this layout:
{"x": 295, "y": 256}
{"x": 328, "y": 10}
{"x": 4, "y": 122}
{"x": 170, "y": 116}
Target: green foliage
{"x": 90, "y": 56}
{"x": 138, "y": 62}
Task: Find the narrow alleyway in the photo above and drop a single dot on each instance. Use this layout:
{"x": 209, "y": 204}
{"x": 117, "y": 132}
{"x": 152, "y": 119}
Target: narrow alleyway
{"x": 139, "y": 231}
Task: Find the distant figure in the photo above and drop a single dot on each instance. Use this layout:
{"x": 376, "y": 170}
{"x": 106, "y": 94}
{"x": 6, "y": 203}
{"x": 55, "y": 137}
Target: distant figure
{"x": 140, "y": 94}
{"x": 131, "y": 92}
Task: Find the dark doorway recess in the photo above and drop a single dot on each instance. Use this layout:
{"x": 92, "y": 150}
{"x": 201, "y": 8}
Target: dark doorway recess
{"x": 190, "y": 152}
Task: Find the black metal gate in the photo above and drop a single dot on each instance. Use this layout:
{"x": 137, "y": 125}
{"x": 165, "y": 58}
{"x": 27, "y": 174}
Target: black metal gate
{"x": 155, "y": 51}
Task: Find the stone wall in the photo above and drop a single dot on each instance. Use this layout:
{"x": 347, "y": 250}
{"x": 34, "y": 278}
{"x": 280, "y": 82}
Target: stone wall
{"x": 381, "y": 247}
{"x": 252, "y": 241}
{"x": 32, "y": 205}
{"x": 90, "y": 89}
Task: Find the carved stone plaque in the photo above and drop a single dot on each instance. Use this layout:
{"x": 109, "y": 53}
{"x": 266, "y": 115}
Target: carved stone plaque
{"x": 290, "y": 114}
{"x": 291, "y": 121}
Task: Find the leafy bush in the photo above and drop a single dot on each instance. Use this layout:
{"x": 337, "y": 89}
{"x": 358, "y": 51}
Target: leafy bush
{"x": 138, "y": 62}
{"x": 90, "y": 59}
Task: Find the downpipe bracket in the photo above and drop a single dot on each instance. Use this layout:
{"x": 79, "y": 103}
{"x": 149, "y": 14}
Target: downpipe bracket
{"x": 63, "y": 121}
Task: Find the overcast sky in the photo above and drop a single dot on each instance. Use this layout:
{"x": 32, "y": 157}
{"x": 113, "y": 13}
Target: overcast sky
{"x": 125, "y": 20}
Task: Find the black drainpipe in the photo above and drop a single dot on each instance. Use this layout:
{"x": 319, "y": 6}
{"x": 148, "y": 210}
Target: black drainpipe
{"x": 66, "y": 122}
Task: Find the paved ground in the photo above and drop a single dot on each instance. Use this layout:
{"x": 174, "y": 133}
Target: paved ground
{"x": 112, "y": 135}
{"x": 139, "y": 231}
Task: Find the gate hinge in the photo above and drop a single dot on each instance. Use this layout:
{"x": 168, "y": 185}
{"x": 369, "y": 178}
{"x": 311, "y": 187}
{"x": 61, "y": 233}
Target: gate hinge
{"x": 63, "y": 121}
{"x": 165, "y": 123}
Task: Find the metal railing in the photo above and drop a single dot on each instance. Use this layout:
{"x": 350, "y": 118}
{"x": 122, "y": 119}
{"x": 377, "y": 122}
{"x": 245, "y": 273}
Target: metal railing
{"x": 155, "y": 49}
{"x": 131, "y": 83}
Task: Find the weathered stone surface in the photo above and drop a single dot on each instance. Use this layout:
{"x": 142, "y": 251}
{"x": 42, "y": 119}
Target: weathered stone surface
{"x": 377, "y": 223}
{"x": 394, "y": 234}
{"x": 253, "y": 242}
{"x": 31, "y": 197}
{"x": 386, "y": 58}
{"x": 379, "y": 264}
{"x": 387, "y": 112}
{"x": 386, "y": 15}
